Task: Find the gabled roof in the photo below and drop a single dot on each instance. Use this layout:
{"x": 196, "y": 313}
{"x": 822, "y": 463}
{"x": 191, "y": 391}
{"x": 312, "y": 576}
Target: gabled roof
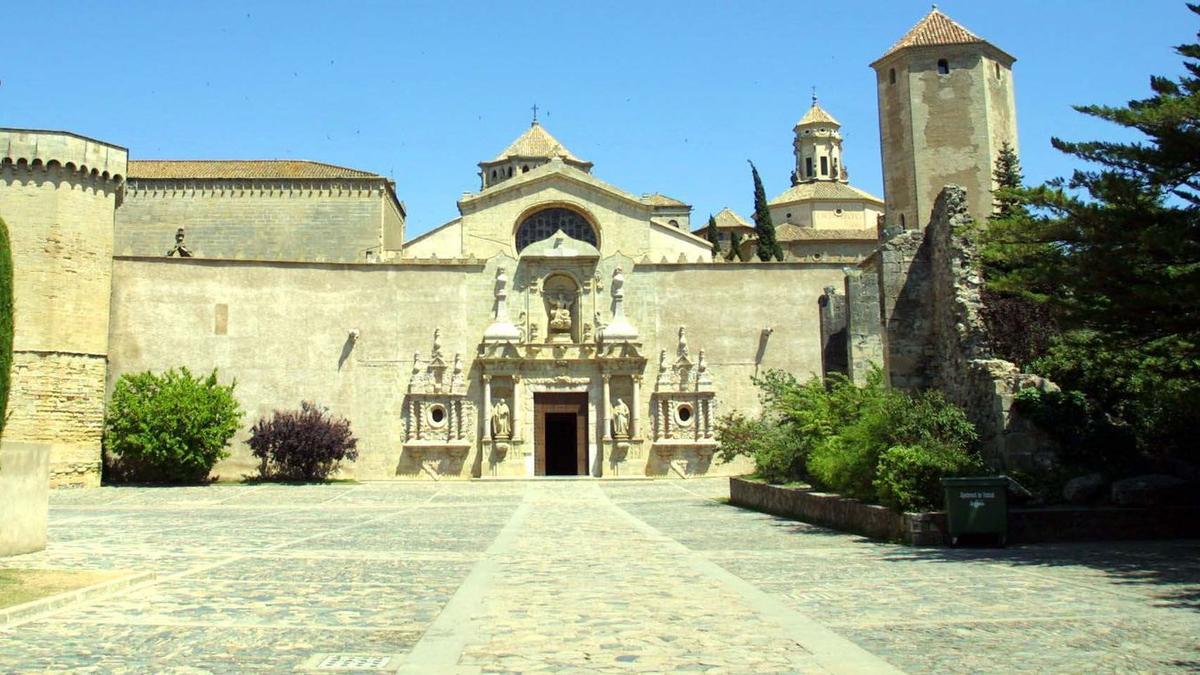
{"x": 239, "y": 169}
{"x": 830, "y": 190}
{"x": 934, "y": 30}
{"x": 538, "y": 143}
{"x": 726, "y": 219}
{"x": 658, "y": 199}
{"x": 555, "y": 169}
{"x": 817, "y": 115}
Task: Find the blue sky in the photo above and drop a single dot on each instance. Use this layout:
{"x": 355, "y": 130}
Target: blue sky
{"x": 662, "y": 97}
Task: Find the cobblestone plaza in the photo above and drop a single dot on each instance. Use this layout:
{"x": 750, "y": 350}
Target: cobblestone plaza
{"x": 577, "y": 575}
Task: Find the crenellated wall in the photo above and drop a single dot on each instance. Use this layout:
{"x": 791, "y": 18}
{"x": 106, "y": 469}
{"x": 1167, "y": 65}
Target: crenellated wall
{"x": 58, "y": 195}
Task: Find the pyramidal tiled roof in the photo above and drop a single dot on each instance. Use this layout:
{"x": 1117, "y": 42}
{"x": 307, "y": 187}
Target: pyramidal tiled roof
{"x": 817, "y": 115}
{"x": 537, "y": 142}
{"x": 239, "y": 169}
{"x": 729, "y": 218}
{"x": 935, "y": 29}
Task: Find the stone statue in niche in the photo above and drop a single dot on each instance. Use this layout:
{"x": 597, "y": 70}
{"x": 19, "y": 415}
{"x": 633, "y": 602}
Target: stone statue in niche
{"x": 560, "y": 313}
{"x": 501, "y": 421}
{"x": 620, "y": 419}
{"x": 179, "y": 250}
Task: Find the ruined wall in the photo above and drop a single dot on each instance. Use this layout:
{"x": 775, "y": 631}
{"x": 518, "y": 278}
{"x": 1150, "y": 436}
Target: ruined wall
{"x": 58, "y": 193}
{"x": 935, "y": 338}
{"x": 832, "y": 315}
{"x": 309, "y": 220}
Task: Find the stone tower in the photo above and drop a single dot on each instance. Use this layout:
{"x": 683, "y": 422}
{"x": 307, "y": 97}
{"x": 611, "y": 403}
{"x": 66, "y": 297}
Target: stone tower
{"x": 58, "y": 194}
{"x": 818, "y": 147}
{"x": 945, "y": 107}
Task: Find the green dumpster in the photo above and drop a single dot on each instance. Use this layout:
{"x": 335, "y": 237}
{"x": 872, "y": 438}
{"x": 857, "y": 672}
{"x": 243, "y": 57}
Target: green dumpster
{"x": 977, "y": 508}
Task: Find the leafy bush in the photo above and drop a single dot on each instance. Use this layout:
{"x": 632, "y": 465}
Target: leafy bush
{"x": 908, "y": 477}
{"x": 836, "y": 435}
{"x": 305, "y": 444}
{"x": 775, "y": 455}
{"x": 1123, "y": 408}
{"x": 168, "y": 428}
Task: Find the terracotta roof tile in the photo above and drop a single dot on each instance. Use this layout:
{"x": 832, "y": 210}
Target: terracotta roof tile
{"x": 817, "y": 115}
{"x": 240, "y": 169}
{"x": 537, "y": 142}
{"x": 790, "y": 232}
{"x": 935, "y": 29}
{"x": 824, "y": 189}
{"x": 658, "y": 199}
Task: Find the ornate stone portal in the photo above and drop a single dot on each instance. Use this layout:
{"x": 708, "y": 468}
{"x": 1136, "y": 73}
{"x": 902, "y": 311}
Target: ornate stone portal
{"x": 439, "y": 419}
{"x": 683, "y": 407}
{"x": 559, "y": 288}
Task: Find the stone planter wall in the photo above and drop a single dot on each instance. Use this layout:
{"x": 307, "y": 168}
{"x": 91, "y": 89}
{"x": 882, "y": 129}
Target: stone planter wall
{"x": 1025, "y": 526}
{"x": 840, "y": 513}
{"x": 24, "y": 497}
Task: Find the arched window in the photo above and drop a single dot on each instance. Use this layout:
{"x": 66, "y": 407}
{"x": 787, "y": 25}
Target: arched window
{"x": 902, "y": 225}
{"x": 543, "y": 224}
{"x": 943, "y": 67}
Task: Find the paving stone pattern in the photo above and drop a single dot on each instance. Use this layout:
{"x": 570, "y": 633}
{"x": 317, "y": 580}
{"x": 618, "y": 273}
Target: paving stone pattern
{"x": 576, "y": 575}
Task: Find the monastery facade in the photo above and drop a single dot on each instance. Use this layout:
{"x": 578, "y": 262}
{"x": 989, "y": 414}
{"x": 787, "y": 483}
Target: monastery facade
{"x": 559, "y": 326}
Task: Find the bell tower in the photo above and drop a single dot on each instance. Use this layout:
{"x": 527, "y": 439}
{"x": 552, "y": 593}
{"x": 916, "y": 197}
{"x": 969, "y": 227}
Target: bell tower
{"x": 818, "y": 147}
{"x": 945, "y": 108}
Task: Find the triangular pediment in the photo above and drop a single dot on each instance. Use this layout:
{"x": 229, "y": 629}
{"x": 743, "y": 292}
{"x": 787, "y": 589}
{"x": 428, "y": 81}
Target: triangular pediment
{"x": 555, "y": 172}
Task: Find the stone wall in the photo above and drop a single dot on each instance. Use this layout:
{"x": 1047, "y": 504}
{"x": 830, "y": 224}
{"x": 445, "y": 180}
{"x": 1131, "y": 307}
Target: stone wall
{"x": 832, "y": 316}
{"x": 346, "y": 220}
{"x": 282, "y": 330}
{"x": 58, "y": 193}
{"x": 864, "y": 332}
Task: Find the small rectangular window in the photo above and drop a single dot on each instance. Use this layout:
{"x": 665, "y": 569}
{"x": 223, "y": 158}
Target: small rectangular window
{"x": 808, "y": 167}
{"x": 943, "y": 67}
{"x": 824, "y": 166}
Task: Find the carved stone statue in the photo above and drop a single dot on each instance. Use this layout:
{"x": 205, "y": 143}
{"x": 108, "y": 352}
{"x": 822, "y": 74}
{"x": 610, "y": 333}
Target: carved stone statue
{"x": 501, "y": 420}
{"x": 620, "y": 419}
{"x": 179, "y": 250}
{"x": 560, "y": 313}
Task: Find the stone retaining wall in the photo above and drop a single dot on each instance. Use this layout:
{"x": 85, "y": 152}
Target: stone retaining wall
{"x": 1025, "y": 526}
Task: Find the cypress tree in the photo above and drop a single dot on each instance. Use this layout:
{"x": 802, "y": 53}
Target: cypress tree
{"x": 735, "y": 246}
{"x": 1007, "y": 174}
{"x": 714, "y": 235}
{"x": 6, "y": 320}
{"x": 767, "y": 246}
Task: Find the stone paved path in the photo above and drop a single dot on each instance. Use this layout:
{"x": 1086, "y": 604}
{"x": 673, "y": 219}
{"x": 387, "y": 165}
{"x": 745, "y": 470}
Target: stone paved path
{"x": 578, "y": 576}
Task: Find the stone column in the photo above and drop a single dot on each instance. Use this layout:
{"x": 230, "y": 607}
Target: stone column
{"x": 516, "y": 406}
{"x": 487, "y": 406}
{"x": 636, "y": 407}
{"x": 604, "y": 406}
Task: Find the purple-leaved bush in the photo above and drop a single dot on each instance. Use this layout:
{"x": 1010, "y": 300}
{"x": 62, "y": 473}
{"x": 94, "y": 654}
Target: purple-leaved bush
{"x": 305, "y": 444}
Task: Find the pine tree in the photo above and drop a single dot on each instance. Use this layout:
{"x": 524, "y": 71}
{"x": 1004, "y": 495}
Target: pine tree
{"x": 6, "y": 321}
{"x": 767, "y": 247}
{"x": 1007, "y": 175}
{"x": 714, "y": 235}
{"x": 1116, "y": 249}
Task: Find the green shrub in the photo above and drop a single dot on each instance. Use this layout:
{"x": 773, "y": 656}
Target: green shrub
{"x": 908, "y": 477}
{"x": 168, "y": 428}
{"x": 305, "y": 444}
{"x": 837, "y": 435}
{"x": 777, "y": 458}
